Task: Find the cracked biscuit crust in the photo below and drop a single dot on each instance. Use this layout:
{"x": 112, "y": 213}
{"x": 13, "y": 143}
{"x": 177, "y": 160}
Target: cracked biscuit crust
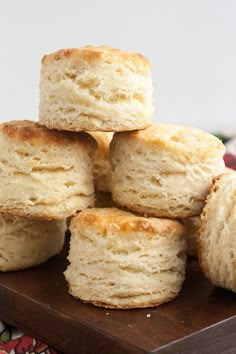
{"x": 98, "y": 54}
{"x": 30, "y": 131}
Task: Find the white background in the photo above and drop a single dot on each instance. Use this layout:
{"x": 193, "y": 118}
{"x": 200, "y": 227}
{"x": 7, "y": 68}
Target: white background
{"x": 191, "y": 43}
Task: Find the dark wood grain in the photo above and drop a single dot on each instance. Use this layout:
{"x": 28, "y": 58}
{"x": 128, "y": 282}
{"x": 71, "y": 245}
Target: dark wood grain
{"x": 217, "y": 339}
{"x": 37, "y": 301}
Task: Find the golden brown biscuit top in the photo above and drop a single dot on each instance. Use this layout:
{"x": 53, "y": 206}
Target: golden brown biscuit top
{"x": 98, "y": 54}
{"x": 108, "y": 219}
{"x": 29, "y": 131}
{"x": 178, "y": 139}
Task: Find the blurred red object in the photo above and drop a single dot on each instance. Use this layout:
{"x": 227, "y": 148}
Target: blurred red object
{"x": 230, "y": 161}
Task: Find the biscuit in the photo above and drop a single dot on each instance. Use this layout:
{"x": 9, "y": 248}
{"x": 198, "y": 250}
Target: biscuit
{"x": 95, "y": 89}
{"x": 217, "y": 241}
{"x": 27, "y": 243}
{"x": 192, "y": 225}
{"x": 164, "y": 170}
{"x": 101, "y": 164}
{"x": 44, "y": 173}
{"x": 120, "y": 260}
{"x": 229, "y": 170}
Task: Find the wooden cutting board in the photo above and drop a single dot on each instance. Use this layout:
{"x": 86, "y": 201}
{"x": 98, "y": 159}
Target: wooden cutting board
{"x": 37, "y": 301}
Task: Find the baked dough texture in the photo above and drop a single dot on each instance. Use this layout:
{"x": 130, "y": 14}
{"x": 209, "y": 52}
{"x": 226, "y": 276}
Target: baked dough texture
{"x": 26, "y": 243}
{"x": 95, "y": 89}
{"x": 101, "y": 164}
{"x": 192, "y": 225}
{"x": 164, "y": 170}
{"x": 120, "y": 260}
{"x": 44, "y": 173}
{"x": 229, "y": 170}
{"x": 217, "y": 242}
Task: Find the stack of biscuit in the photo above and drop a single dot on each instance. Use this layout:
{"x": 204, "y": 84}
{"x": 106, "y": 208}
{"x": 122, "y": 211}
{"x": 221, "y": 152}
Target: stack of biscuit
{"x": 131, "y": 255}
{"x": 126, "y": 252}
